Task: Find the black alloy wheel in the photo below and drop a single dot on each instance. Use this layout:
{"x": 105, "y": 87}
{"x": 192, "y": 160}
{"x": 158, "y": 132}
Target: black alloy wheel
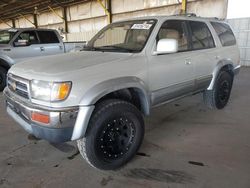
{"x": 116, "y": 138}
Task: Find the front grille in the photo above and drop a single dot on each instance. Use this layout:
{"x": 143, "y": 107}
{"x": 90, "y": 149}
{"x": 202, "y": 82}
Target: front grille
{"x": 19, "y": 86}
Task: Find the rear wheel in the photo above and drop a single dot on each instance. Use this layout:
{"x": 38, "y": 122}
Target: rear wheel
{"x": 114, "y": 135}
{"x": 219, "y": 96}
{"x": 3, "y": 76}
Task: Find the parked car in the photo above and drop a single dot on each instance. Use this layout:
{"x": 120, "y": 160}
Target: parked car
{"x": 19, "y": 44}
{"x": 100, "y": 96}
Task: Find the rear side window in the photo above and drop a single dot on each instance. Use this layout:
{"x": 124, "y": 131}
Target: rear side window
{"x": 201, "y": 36}
{"x": 224, "y": 33}
{"x": 47, "y": 37}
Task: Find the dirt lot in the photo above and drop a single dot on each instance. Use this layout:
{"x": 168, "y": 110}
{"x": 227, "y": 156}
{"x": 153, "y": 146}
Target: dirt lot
{"x": 186, "y": 145}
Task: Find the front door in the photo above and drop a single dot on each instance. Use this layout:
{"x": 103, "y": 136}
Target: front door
{"x": 32, "y": 49}
{"x": 171, "y": 75}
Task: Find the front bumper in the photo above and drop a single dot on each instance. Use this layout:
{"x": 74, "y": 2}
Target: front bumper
{"x": 65, "y": 124}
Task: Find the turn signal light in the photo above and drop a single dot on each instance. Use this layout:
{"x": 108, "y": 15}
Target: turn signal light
{"x": 41, "y": 118}
{"x": 63, "y": 91}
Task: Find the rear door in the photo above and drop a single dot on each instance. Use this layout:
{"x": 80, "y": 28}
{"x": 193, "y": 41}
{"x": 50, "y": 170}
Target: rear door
{"x": 203, "y": 54}
{"x": 50, "y": 44}
{"x": 229, "y": 48}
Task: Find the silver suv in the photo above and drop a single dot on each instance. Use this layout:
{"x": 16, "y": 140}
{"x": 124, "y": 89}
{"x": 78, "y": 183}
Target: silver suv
{"x": 100, "y": 95}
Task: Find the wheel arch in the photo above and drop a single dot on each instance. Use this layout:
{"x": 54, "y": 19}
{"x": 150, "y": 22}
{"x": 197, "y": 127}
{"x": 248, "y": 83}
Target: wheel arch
{"x": 131, "y": 89}
{"x": 226, "y": 65}
{"x": 4, "y": 64}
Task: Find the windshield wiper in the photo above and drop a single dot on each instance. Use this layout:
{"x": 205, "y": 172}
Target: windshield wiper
{"x": 89, "y": 48}
{"x": 117, "y": 47}
{"x": 109, "y": 47}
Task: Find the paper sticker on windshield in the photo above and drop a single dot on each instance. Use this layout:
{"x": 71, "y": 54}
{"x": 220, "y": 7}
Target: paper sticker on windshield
{"x": 141, "y": 26}
{"x": 12, "y": 30}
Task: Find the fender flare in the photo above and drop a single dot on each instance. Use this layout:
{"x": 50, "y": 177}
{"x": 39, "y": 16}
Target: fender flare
{"x": 217, "y": 69}
{"x": 5, "y": 62}
{"x": 102, "y": 89}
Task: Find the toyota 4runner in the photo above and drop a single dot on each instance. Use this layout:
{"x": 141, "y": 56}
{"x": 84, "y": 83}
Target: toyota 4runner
{"x": 99, "y": 96}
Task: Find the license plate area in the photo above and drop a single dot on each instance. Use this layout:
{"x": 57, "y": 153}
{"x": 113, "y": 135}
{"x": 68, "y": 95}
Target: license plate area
{"x": 19, "y": 110}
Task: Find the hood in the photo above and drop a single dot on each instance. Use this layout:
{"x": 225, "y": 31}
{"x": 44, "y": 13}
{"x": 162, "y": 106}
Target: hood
{"x": 4, "y": 46}
{"x": 56, "y": 65}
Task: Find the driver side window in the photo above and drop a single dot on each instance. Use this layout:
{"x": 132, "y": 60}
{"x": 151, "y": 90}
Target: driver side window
{"x": 29, "y": 36}
{"x": 175, "y": 29}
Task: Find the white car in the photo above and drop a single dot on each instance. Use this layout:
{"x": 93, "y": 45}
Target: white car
{"x": 100, "y": 95}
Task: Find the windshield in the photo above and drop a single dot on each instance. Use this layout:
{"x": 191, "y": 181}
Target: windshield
{"x": 6, "y": 36}
{"x": 129, "y": 36}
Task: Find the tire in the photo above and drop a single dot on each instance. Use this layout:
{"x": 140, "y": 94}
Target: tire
{"x": 114, "y": 135}
{"x": 219, "y": 96}
{"x": 3, "y": 77}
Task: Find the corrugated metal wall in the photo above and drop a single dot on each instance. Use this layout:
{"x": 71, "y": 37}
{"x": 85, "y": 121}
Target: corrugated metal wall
{"x": 84, "y": 20}
{"x": 241, "y": 29}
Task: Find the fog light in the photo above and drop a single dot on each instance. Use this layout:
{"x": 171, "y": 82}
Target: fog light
{"x": 41, "y": 118}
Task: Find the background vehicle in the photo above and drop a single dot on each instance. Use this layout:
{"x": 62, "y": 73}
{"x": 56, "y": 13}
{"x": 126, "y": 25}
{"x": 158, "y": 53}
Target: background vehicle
{"x": 129, "y": 67}
{"x": 19, "y": 44}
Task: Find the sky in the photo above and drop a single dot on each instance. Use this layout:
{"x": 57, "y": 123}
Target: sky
{"x": 238, "y": 9}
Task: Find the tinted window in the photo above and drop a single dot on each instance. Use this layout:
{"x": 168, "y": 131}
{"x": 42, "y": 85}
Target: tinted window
{"x": 48, "y": 37}
{"x": 174, "y": 29}
{"x": 225, "y": 34}
{"x": 201, "y": 36}
{"x": 29, "y": 36}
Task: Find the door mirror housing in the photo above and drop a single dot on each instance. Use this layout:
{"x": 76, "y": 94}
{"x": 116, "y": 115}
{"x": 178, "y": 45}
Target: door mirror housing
{"x": 166, "y": 46}
{"x": 21, "y": 43}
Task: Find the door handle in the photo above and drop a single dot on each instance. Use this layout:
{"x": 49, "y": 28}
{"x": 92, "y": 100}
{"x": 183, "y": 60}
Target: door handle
{"x": 188, "y": 62}
{"x": 42, "y": 49}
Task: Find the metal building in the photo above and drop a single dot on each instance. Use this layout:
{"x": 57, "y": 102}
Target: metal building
{"x": 79, "y": 20}
{"x": 242, "y": 32}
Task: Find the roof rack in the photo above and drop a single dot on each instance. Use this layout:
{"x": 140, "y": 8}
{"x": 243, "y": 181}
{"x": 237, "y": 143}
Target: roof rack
{"x": 216, "y": 18}
{"x": 186, "y": 14}
{"x": 194, "y": 15}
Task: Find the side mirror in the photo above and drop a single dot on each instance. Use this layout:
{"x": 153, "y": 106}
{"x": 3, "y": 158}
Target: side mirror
{"x": 166, "y": 46}
{"x": 21, "y": 43}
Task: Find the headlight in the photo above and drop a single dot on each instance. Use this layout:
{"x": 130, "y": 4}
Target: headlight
{"x": 50, "y": 91}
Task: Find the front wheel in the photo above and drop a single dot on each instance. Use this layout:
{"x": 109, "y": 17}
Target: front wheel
{"x": 219, "y": 96}
{"x": 114, "y": 135}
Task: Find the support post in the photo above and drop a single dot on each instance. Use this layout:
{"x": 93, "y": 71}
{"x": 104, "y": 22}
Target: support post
{"x": 184, "y": 7}
{"x": 109, "y": 7}
{"x": 65, "y": 18}
{"x": 35, "y": 20}
{"x": 13, "y": 23}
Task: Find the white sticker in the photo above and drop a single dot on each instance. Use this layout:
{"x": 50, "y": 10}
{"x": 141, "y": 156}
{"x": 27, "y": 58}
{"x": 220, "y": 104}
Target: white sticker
{"x": 141, "y": 26}
{"x": 12, "y": 30}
